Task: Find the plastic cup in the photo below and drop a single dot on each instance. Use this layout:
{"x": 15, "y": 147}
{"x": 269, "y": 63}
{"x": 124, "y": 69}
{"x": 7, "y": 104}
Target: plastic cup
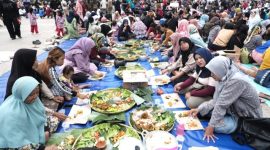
{"x": 180, "y": 129}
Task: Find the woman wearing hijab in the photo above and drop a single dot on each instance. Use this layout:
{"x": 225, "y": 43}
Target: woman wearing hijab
{"x": 71, "y": 27}
{"x": 124, "y": 32}
{"x": 185, "y": 63}
{"x": 175, "y": 48}
{"x": 24, "y": 64}
{"x": 211, "y": 29}
{"x": 117, "y": 17}
{"x": 195, "y": 36}
{"x": 203, "y": 19}
{"x": 99, "y": 52}
{"x": 234, "y": 97}
{"x": 199, "y": 87}
{"x": 21, "y": 113}
{"x": 223, "y": 37}
{"x": 254, "y": 19}
{"x": 238, "y": 38}
{"x": 183, "y": 28}
{"x": 254, "y": 39}
{"x": 78, "y": 57}
{"x": 139, "y": 29}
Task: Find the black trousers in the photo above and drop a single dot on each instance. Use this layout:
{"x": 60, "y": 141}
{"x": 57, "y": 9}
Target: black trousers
{"x": 13, "y": 27}
{"x": 79, "y": 77}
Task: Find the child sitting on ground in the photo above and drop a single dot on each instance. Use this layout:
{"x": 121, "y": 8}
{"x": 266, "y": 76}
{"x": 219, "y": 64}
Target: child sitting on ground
{"x": 66, "y": 78}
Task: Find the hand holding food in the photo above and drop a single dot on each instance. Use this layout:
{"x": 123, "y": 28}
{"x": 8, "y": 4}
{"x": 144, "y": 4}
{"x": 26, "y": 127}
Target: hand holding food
{"x": 193, "y": 112}
{"x": 177, "y": 87}
{"x": 58, "y": 99}
{"x": 60, "y": 116}
{"x": 165, "y": 71}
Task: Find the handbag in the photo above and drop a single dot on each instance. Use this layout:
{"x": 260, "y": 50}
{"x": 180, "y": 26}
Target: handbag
{"x": 253, "y": 132}
{"x": 263, "y": 78}
{"x": 244, "y": 55}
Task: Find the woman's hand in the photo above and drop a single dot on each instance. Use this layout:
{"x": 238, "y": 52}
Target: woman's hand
{"x": 193, "y": 112}
{"x": 164, "y": 71}
{"x": 60, "y": 116}
{"x": 82, "y": 96}
{"x": 187, "y": 95}
{"x": 58, "y": 99}
{"x": 173, "y": 78}
{"x": 209, "y": 134}
{"x": 177, "y": 87}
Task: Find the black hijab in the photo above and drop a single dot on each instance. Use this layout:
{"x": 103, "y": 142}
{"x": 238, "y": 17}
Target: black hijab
{"x": 185, "y": 54}
{"x": 22, "y": 64}
{"x": 105, "y": 29}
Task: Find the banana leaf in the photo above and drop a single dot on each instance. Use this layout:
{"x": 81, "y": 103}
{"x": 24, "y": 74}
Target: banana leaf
{"x": 57, "y": 138}
{"x": 98, "y": 118}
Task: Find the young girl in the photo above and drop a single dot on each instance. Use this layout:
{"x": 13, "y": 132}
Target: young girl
{"x": 33, "y": 21}
{"x": 66, "y": 78}
{"x": 60, "y": 21}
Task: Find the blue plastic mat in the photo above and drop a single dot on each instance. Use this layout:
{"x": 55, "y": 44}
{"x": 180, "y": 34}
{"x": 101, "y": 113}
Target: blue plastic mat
{"x": 192, "y": 138}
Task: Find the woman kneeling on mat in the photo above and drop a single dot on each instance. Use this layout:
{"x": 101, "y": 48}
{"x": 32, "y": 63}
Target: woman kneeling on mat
{"x": 234, "y": 97}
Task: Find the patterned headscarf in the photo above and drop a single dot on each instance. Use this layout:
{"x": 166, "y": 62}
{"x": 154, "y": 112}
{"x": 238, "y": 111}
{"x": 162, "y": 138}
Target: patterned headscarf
{"x": 255, "y": 31}
{"x": 175, "y": 37}
{"x": 98, "y": 39}
{"x": 183, "y": 28}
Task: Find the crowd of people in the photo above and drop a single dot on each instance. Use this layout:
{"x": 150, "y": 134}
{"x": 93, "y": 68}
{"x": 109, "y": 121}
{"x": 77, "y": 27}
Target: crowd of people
{"x": 189, "y": 35}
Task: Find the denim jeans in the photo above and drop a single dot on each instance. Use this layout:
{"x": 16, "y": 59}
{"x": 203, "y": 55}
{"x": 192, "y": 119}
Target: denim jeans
{"x": 230, "y": 125}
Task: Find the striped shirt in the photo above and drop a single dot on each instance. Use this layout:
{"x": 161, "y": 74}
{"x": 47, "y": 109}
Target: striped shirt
{"x": 58, "y": 88}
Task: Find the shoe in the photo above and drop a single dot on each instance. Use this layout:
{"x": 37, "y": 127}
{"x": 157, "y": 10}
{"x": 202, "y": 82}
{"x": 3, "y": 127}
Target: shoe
{"x": 19, "y": 37}
{"x": 13, "y": 38}
{"x": 36, "y": 42}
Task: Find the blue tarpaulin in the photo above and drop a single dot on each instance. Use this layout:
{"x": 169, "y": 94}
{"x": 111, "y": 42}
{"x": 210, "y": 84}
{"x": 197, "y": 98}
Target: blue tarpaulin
{"x": 192, "y": 138}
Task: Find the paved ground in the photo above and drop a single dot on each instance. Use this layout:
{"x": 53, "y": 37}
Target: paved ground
{"x": 8, "y": 47}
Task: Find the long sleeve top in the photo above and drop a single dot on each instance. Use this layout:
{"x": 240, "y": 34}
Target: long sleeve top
{"x": 208, "y": 89}
{"x": 81, "y": 65}
{"x": 237, "y": 98}
{"x": 57, "y": 86}
{"x": 169, "y": 32}
{"x": 213, "y": 33}
{"x": 189, "y": 67}
{"x": 95, "y": 54}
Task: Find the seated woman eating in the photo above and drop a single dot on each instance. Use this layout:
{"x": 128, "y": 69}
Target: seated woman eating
{"x": 234, "y": 97}
{"x": 78, "y": 56}
{"x": 199, "y": 87}
{"x": 22, "y": 117}
{"x": 185, "y": 62}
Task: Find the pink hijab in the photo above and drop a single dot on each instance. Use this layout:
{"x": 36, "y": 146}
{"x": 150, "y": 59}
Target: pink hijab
{"x": 83, "y": 46}
{"x": 183, "y": 28}
{"x": 195, "y": 22}
{"x": 175, "y": 37}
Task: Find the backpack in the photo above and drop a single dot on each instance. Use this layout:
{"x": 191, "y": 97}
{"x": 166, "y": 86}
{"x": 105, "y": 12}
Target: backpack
{"x": 263, "y": 78}
{"x": 253, "y": 132}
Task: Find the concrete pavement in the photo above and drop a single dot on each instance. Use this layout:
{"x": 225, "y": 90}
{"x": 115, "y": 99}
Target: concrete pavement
{"x": 8, "y": 47}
